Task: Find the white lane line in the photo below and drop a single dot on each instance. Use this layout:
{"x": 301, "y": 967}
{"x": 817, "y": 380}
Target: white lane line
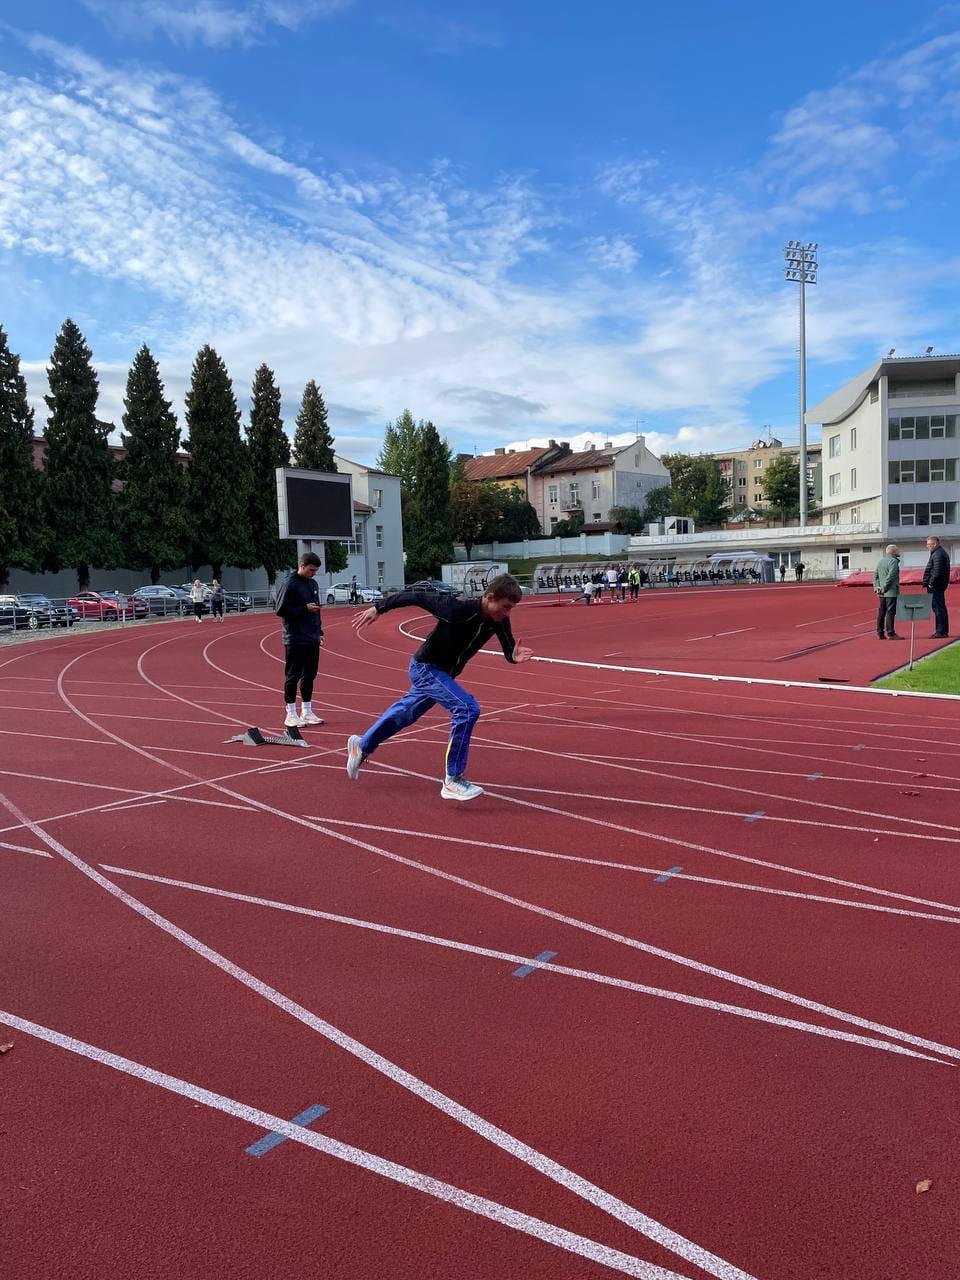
{"x": 712, "y": 636}
{"x": 723, "y": 679}
{"x": 837, "y": 617}
{"x": 492, "y": 1133}
{"x": 584, "y": 1247}
{"x": 22, "y": 848}
{"x": 686, "y": 875}
{"x": 564, "y": 970}
{"x": 495, "y": 744}
{"x": 121, "y": 806}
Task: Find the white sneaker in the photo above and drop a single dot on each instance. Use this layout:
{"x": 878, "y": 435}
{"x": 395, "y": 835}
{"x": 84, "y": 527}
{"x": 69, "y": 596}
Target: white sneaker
{"x": 293, "y": 722}
{"x": 459, "y": 789}
{"x": 355, "y": 757}
{"x": 308, "y": 717}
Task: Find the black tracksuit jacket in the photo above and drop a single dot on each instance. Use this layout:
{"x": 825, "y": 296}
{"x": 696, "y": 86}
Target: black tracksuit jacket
{"x": 461, "y": 628}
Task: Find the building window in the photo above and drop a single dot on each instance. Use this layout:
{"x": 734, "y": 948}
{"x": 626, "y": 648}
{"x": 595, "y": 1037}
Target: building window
{"x": 551, "y": 493}
{"x": 379, "y": 535}
{"x": 553, "y": 521}
{"x": 757, "y": 464}
{"x": 834, "y": 517}
{"x": 853, "y": 438}
{"x": 595, "y": 490}
{"x": 834, "y": 447}
{"x": 742, "y": 482}
{"x": 381, "y": 567}
{"x": 936, "y": 426}
{"x": 854, "y": 515}
{"x": 355, "y": 545}
{"x": 834, "y": 484}
{"x": 874, "y": 394}
{"x": 906, "y": 514}
{"x": 575, "y": 493}
{"x": 376, "y": 497}
{"x": 853, "y": 478}
{"x": 596, "y": 516}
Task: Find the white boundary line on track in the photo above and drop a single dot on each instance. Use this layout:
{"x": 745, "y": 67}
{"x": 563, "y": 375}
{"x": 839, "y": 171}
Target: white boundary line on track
{"x": 564, "y": 970}
{"x": 492, "y": 1133}
{"x": 625, "y": 1263}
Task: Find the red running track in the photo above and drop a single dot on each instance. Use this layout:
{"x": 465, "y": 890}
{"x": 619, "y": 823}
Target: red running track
{"x": 739, "y": 1062}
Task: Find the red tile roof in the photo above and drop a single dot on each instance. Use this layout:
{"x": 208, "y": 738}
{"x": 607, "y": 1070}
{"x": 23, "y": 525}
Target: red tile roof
{"x": 503, "y": 466}
{"x": 589, "y": 460}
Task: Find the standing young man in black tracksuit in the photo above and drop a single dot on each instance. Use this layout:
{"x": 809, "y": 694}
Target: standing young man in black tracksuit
{"x": 463, "y": 628}
{"x": 298, "y": 604}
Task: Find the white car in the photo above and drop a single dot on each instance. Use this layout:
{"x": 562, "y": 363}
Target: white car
{"x": 340, "y": 593}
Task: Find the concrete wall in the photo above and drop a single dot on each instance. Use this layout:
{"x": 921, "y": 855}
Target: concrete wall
{"x": 590, "y": 544}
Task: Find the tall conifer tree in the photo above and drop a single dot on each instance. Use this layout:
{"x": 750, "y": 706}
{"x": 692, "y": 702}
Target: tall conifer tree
{"x": 267, "y": 448}
{"x": 151, "y": 503}
{"x": 218, "y": 473}
{"x": 429, "y": 542}
{"x": 398, "y": 455}
{"x": 78, "y": 505}
{"x": 20, "y": 522}
{"x": 313, "y": 451}
{"x": 312, "y": 441}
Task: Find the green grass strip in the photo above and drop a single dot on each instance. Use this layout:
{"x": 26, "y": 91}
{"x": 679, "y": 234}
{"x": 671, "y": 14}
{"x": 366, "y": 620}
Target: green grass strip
{"x": 940, "y": 673}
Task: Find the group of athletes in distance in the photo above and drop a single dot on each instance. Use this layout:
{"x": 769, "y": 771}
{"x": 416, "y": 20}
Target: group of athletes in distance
{"x": 463, "y": 628}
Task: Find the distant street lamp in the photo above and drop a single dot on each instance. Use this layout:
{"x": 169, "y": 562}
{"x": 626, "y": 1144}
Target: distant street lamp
{"x": 801, "y": 266}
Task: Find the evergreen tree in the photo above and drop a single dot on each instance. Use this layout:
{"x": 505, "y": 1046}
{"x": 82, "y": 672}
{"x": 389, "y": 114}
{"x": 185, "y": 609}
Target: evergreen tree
{"x": 429, "y": 543}
{"x": 78, "y": 467}
{"x": 312, "y": 441}
{"x": 19, "y": 480}
{"x": 151, "y": 503}
{"x": 267, "y": 448}
{"x": 313, "y": 451}
{"x": 399, "y": 452}
{"x": 218, "y": 473}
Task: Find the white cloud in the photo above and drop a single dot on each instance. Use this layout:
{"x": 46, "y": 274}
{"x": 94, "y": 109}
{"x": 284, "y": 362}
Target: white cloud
{"x": 216, "y": 23}
{"x": 397, "y": 291}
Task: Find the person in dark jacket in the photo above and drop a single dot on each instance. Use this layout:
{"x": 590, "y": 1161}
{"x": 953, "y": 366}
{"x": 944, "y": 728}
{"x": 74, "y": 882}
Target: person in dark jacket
{"x": 463, "y": 628}
{"x": 936, "y": 579}
{"x": 298, "y": 605}
{"x": 216, "y": 600}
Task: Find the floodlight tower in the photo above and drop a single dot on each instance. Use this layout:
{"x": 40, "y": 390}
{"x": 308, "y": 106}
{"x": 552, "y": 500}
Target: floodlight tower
{"x": 801, "y": 266}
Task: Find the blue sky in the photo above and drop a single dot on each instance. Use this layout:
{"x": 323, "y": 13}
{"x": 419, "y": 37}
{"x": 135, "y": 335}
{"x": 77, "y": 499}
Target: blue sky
{"x": 519, "y": 220}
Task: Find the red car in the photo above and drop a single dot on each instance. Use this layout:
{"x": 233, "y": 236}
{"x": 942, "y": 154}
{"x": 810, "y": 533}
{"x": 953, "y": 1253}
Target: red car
{"x": 108, "y": 606}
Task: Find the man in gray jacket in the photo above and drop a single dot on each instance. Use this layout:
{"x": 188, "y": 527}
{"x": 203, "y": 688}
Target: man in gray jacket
{"x": 936, "y": 579}
{"x": 886, "y": 583}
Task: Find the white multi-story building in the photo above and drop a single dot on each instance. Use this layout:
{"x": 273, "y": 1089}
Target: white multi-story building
{"x": 891, "y": 451}
{"x": 593, "y": 481}
{"x": 375, "y": 552}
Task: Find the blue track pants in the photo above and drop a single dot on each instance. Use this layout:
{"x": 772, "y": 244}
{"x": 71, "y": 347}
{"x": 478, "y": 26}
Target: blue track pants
{"x": 428, "y": 687}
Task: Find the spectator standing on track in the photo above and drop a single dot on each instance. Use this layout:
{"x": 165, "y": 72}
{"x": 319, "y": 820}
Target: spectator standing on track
{"x": 936, "y": 579}
{"x": 463, "y": 628}
{"x": 597, "y": 579}
{"x": 298, "y": 605}
{"x": 196, "y": 595}
{"x": 354, "y": 590}
{"x": 634, "y": 583}
{"x": 611, "y": 577}
{"x": 216, "y": 599}
{"x": 622, "y": 583}
{"x": 886, "y": 583}
{"x": 783, "y": 571}
{"x": 799, "y": 570}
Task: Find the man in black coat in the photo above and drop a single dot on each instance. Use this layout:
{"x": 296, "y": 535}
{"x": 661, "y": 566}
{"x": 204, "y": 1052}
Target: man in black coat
{"x": 936, "y": 577}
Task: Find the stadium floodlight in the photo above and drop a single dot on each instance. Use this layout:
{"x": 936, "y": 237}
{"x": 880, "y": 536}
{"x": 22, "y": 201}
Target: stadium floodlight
{"x": 801, "y": 268}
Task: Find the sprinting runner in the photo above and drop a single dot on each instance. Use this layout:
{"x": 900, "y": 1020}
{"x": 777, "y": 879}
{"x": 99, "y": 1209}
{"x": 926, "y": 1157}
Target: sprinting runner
{"x": 463, "y": 628}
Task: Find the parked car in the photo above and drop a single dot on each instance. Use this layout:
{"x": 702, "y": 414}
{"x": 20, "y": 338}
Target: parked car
{"x": 15, "y": 615}
{"x": 434, "y": 584}
{"x": 236, "y": 601}
{"x": 108, "y": 606}
{"x": 165, "y": 601}
{"x": 340, "y": 593}
{"x": 46, "y": 613}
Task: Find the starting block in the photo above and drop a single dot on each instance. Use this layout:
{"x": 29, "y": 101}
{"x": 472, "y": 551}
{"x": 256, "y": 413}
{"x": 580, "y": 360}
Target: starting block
{"x": 252, "y": 737}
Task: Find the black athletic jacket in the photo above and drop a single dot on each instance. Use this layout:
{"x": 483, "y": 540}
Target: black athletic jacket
{"x": 936, "y": 576}
{"x": 460, "y": 631}
{"x": 300, "y": 626}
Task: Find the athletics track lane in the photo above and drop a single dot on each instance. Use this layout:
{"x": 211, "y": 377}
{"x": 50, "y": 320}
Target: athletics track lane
{"x": 720, "y": 1140}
